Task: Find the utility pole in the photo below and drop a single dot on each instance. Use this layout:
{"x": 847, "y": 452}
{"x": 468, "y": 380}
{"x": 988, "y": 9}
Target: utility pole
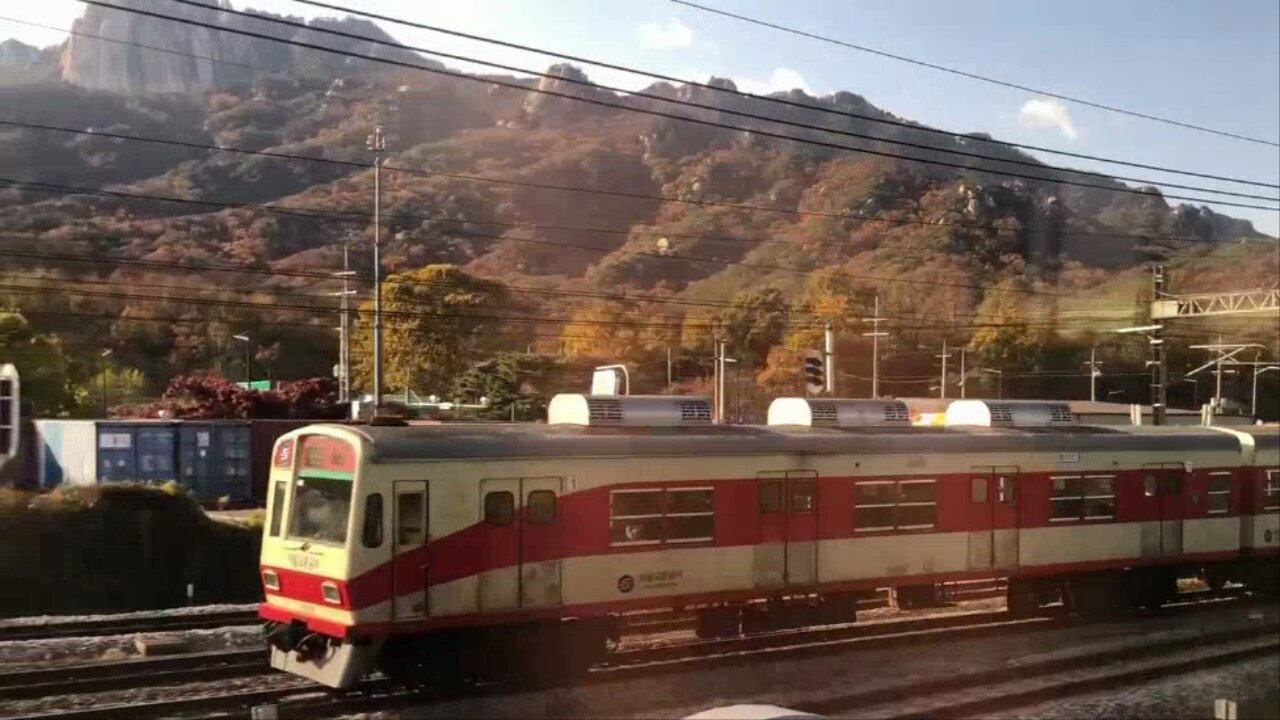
{"x": 1160, "y": 380}
{"x": 875, "y": 336}
{"x": 1217, "y": 392}
{"x": 719, "y": 381}
{"x": 829, "y": 360}
{"x": 942, "y": 386}
{"x": 378, "y": 144}
{"x": 668, "y": 368}
{"x": 344, "y": 328}
{"x": 1253, "y": 405}
{"x": 102, "y": 366}
{"x": 962, "y": 377}
{"x": 1094, "y": 373}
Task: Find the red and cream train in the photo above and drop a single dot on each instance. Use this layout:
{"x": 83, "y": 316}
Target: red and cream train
{"x": 440, "y": 551}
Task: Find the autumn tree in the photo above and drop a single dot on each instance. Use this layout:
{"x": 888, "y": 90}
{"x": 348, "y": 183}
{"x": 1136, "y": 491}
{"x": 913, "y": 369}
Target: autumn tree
{"x": 756, "y": 322}
{"x": 514, "y": 384}
{"x": 1005, "y": 336}
{"x": 437, "y": 321}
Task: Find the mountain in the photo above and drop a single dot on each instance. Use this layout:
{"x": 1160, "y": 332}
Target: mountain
{"x": 665, "y": 207}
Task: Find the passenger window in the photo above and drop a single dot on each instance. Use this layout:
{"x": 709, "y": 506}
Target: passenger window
{"x": 802, "y": 496}
{"x": 371, "y": 534}
{"x": 499, "y": 508}
{"x": 1005, "y": 489}
{"x": 770, "y": 497}
{"x": 411, "y": 514}
{"x": 978, "y": 489}
{"x": 1173, "y": 484}
{"x": 542, "y": 507}
{"x": 277, "y": 507}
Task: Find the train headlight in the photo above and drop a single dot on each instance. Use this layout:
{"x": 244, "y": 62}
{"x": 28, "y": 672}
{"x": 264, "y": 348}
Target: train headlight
{"x": 331, "y": 593}
{"x": 271, "y": 580}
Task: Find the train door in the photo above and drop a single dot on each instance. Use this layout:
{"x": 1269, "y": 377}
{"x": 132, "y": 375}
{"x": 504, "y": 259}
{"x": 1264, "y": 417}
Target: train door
{"x": 787, "y": 554}
{"x": 410, "y": 517}
{"x": 993, "y": 517}
{"x": 520, "y": 552}
{"x": 540, "y": 526}
{"x": 1163, "y": 489}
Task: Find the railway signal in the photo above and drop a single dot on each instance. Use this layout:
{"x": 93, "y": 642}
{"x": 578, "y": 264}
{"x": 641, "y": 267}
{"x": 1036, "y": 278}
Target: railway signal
{"x": 815, "y": 375}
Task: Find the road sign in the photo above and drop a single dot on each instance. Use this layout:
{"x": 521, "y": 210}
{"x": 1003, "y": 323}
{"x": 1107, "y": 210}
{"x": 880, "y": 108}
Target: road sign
{"x": 260, "y": 385}
{"x": 815, "y": 376}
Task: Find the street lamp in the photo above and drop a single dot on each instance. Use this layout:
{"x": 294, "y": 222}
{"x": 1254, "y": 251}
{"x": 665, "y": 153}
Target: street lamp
{"x": 102, "y": 367}
{"x": 244, "y": 338}
{"x": 1256, "y": 372}
{"x": 999, "y": 380}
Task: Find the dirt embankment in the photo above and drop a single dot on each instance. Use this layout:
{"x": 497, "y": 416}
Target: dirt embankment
{"x": 118, "y": 548}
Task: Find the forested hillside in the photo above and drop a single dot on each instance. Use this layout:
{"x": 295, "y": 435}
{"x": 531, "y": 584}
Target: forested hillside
{"x": 520, "y": 223}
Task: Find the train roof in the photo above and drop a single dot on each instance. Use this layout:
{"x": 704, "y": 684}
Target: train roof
{"x": 1264, "y": 436}
{"x": 474, "y": 440}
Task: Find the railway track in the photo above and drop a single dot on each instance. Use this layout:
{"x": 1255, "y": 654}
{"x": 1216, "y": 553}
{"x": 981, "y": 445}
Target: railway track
{"x": 308, "y": 701}
{"x": 128, "y": 625}
{"x": 145, "y": 672}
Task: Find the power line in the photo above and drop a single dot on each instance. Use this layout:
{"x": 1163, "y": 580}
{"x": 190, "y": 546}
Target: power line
{"x": 605, "y": 103}
{"x": 790, "y": 103}
{"x": 974, "y": 76}
{"x": 589, "y": 191}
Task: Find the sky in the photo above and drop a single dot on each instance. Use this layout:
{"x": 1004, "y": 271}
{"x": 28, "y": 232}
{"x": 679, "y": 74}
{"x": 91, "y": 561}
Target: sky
{"x": 1203, "y": 62}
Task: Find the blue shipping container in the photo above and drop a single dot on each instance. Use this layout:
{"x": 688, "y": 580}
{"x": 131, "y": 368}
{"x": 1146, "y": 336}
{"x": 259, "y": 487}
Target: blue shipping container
{"x": 136, "y": 452}
{"x": 214, "y": 459}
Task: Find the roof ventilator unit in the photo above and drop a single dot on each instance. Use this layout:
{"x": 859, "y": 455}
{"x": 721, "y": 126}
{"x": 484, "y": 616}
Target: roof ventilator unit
{"x": 628, "y": 410}
{"x": 837, "y": 412}
{"x": 1009, "y": 413}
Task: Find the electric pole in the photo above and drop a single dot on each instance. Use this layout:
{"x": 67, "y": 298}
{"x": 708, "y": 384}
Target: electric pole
{"x": 344, "y": 328}
{"x": 962, "y": 377}
{"x": 378, "y": 144}
{"x": 1094, "y": 373}
{"x": 942, "y": 386}
{"x": 829, "y": 357}
{"x": 668, "y": 368}
{"x": 719, "y": 381}
{"x": 1160, "y": 379}
{"x": 875, "y": 336}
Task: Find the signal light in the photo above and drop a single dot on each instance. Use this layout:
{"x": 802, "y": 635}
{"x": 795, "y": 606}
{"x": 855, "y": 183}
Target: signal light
{"x": 815, "y": 376}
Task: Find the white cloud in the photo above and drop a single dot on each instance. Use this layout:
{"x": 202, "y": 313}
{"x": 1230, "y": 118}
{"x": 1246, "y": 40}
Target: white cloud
{"x": 781, "y": 79}
{"x": 1042, "y": 113}
{"x": 674, "y": 34}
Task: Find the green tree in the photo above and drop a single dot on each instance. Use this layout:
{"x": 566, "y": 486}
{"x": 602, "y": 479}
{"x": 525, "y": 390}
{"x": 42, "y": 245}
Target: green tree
{"x": 1005, "y": 337}
{"x": 755, "y": 323}
{"x": 513, "y": 384}
{"x": 41, "y": 363}
{"x": 437, "y": 321}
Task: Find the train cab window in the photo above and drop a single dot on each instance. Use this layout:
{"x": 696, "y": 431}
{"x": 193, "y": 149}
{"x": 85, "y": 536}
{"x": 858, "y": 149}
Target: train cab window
{"x": 770, "y": 493}
{"x": 411, "y": 514}
{"x": 1149, "y": 485}
{"x": 371, "y": 532}
{"x": 1271, "y": 497}
{"x": 978, "y": 489}
{"x": 1219, "y": 492}
{"x": 1172, "y": 484}
{"x": 499, "y": 508}
{"x": 277, "y": 507}
{"x": 803, "y": 492}
{"x": 541, "y": 507}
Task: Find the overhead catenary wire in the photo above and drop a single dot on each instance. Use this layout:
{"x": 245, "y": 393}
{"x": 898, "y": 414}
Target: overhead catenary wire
{"x": 785, "y": 102}
{"x": 588, "y": 191}
{"x": 976, "y": 76}
{"x": 1118, "y": 188}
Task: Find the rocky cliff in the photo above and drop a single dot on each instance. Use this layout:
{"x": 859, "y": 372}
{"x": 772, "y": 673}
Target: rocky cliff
{"x": 152, "y": 55}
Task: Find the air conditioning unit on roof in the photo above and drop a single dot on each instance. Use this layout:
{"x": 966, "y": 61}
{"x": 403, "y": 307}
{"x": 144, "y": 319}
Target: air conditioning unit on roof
{"x": 629, "y": 410}
{"x": 837, "y": 412}
{"x": 1009, "y": 413}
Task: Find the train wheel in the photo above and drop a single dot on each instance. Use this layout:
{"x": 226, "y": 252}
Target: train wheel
{"x": 719, "y": 622}
{"x": 1022, "y": 599}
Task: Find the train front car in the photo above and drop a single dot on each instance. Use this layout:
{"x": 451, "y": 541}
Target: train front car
{"x": 317, "y": 546}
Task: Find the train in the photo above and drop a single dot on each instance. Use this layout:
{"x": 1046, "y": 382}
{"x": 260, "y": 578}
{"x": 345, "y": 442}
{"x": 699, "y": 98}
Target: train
{"x": 451, "y": 553}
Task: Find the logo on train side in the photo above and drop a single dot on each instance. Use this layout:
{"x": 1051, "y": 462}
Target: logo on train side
{"x": 626, "y": 584}
{"x": 303, "y": 561}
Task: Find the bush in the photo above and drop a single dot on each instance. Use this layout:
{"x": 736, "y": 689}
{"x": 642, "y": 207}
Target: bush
{"x": 119, "y": 548}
